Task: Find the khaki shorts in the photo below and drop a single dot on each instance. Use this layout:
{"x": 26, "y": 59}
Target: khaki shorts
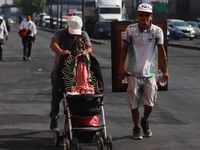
{"x": 141, "y": 90}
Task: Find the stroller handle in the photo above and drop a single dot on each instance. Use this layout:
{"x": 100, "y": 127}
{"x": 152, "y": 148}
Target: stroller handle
{"x": 86, "y": 96}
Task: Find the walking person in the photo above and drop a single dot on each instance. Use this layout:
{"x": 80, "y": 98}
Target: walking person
{"x": 143, "y": 36}
{"x": 27, "y": 41}
{"x": 3, "y": 30}
{"x": 20, "y": 19}
{"x": 64, "y": 42}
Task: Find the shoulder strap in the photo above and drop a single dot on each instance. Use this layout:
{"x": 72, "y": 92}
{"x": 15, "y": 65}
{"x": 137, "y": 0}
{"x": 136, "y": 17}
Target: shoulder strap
{"x": 28, "y": 25}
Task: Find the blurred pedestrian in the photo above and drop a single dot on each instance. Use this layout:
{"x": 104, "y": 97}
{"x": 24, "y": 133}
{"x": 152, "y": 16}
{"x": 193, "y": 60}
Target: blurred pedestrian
{"x": 3, "y": 30}
{"x": 20, "y": 19}
{"x": 27, "y": 41}
{"x": 142, "y": 87}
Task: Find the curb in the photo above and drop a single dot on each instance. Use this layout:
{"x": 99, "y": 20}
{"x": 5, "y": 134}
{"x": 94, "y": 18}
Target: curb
{"x": 195, "y": 47}
{"x": 96, "y": 41}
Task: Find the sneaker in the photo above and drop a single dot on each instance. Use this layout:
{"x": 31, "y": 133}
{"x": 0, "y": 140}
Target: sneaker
{"x": 145, "y": 126}
{"x": 137, "y": 133}
{"x": 29, "y": 58}
{"x": 25, "y": 58}
{"x": 54, "y": 125}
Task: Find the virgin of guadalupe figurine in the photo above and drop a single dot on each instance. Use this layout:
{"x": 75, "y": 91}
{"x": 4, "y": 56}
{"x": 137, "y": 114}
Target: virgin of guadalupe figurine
{"x": 82, "y": 71}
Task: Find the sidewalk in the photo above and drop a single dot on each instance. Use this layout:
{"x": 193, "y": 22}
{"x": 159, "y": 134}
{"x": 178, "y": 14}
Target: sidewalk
{"x": 184, "y": 45}
{"x": 96, "y": 41}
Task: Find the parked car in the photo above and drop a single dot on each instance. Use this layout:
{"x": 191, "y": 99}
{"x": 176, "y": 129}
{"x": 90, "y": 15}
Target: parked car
{"x": 64, "y": 23}
{"x": 46, "y": 21}
{"x": 168, "y": 34}
{"x": 180, "y": 29}
{"x": 102, "y": 29}
{"x": 196, "y": 27}
{"x": 42, "y": 20}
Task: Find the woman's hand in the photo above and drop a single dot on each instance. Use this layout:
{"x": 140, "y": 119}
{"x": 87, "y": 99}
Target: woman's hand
{"x": 64, "y": 52}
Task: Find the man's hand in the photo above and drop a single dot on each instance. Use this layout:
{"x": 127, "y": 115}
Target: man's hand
{"x": 165, "y": 76}
{"x": 123, "y": 73}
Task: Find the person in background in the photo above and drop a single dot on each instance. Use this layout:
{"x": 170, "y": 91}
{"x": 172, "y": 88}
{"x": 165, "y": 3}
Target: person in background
{"x": 64, "y": 42}
{"x": 7, "y": 24}
{"x": 27, "y": 41}
{"x": 142, "y": 87}
{"x": 20, "y": 19}
{"x": 3, "y": 30}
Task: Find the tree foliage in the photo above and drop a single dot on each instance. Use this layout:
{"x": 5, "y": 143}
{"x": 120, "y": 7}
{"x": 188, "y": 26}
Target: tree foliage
{"x": 30, "y": 6}
{"x": 5, "y": 11}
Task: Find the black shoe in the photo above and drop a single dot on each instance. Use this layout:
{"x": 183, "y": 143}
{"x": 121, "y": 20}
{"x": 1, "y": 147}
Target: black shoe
{"x": 137, "y": 133}
{"x": 25, "y": 58}
{"x": 54, "y": 125}
{"x": 145, "y": 126}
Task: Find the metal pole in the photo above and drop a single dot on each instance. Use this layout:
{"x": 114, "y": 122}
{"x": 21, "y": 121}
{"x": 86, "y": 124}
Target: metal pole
{"x": 61, "y": 10}
{"x": 57, "y": 13}
{"x": 83, "y": 13}
{"x": 133, "y": 12}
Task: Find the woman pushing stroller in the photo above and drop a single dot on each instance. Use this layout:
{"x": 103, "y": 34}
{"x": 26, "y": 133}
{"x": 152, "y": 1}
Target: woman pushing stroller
{"x": 64, "y": 42}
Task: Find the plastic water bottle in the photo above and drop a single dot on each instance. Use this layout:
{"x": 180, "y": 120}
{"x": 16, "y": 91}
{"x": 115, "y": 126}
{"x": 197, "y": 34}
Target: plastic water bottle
{"x": 160, "y": 78}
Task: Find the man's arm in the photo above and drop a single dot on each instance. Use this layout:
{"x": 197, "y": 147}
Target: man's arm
{"x": 162, "y": 59}
{"x": 122, "y": 58}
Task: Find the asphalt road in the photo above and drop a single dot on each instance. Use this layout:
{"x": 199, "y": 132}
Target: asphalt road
{"x": 25, "y": 95}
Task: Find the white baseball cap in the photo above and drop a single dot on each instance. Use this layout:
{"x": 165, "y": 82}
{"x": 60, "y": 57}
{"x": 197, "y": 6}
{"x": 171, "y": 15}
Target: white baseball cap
{"x": 1, "y": 18}
{"x": 75, "y": 24}
{"x": 144, "y": 7}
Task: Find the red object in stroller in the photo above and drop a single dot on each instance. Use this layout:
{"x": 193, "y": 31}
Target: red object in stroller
{"x": 83, "y": 103}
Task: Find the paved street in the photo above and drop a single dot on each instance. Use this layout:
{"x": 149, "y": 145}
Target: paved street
{"x": 25, "y": 95}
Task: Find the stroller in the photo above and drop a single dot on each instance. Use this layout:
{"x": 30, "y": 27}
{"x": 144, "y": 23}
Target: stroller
{"x": 82, "y": 85}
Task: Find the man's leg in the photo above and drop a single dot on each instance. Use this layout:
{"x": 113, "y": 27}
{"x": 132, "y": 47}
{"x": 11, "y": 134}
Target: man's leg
{"x": 1, "y": 51}
{"x": 24, "y": 43}
{"x": 29, "y": 48}
{"x": 149, "y": 99}
{"x": 144, "y": 121}
{"x": 147, "y": 111}
{"x": 137, "y": 132}
{"x": 134, "y": 102}
{"x": 135, "y": 116}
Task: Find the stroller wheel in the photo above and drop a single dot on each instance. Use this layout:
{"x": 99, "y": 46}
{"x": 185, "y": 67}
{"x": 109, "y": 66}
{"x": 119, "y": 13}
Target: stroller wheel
{"x": 109, "y": 143}
{"x": 56, "y": 138}
{"x": 75, "y": 143}
{"x": 66, "y": 144}
{"x": 100, "y": 143}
